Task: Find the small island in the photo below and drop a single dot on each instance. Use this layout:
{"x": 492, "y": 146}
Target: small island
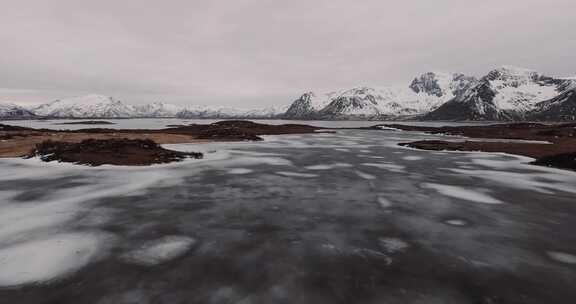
{"x": 129, "y": 147}
{"x": 552, "y": 145}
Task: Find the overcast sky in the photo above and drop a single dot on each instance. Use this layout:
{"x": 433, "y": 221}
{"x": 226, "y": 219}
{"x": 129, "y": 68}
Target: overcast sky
{"x": 257, "y": 52}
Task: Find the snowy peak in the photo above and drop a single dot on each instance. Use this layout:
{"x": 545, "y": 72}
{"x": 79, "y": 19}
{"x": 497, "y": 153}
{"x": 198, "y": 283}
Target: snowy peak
{"x": 519, "y": 89}
{"x": 559, "y": 108}
{"x": 12, "y": 111}
{"x": 426, "y": 92}
{"x": 512, "y": 75}
{"x": 90, "y": 106}
{"x": 431, "y": 83}
{"x": 158, "y": 109}
{"x": 505, "y": 93}
{"x": 441, "y": 84}
{"x": 306, "y": 106}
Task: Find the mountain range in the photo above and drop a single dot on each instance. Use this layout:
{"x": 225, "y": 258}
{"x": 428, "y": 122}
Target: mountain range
{"x": 504, "y": 94}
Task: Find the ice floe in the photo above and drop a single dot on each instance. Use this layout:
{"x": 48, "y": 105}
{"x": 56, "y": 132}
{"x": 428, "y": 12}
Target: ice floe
{"x": 296, "y": 174}
{"x": 413, "y": 157}
{"x": 393, "y": 245}
{"x": 456, "y": 222}
{"x": 386, "y": 166}
{"x": 562, "y": 257}
{"x": 328, "y": 166}
{"x": 160, "y": 251}
{"x": 462, "y": 193}
{"x": 365, "y": 175}
{"x": 384, "y": 202}
{"x": 47, "y": 259}
{"x": 240, "y": 171}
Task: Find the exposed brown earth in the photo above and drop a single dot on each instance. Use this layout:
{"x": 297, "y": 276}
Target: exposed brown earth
{"x": 561, "y": 140}
{"x": 20, "y": 141}
{"x": 96, "y": 152}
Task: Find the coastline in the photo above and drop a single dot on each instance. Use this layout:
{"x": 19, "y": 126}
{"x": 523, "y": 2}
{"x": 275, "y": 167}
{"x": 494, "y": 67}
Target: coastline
{"x": 98, "y": 146}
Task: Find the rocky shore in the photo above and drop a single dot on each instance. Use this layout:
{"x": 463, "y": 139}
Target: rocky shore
{"x": 98, "y": 146}
{"x": 96, "y": 152}
{"x": 551, "y": 145}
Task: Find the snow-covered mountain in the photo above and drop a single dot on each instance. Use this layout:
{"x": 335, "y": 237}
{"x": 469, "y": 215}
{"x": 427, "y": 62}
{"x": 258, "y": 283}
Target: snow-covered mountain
{"x": 98, "y": 106}
{"x": 200, "y": 111}
{"x": 506, "y": 93}
{"x": 157, "y": 109}
{"x": 426, "y": 92}
{"x": 90, "y": 106}
{"x": 559, "y": 108}
{"x": 12, "y": 111}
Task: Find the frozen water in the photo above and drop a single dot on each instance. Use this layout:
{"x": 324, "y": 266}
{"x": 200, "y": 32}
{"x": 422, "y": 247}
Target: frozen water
{"x": 386, "y": 166}
{"x": 412, "y": 157}
{"x": 329, "y": 167}
{"x": 456, "y": 222}
{"x": 296, "y": 174}
{"x": 160, "y": 251}
{"x": 272, "y": 228}
{"x": 393, "y": 245}
{"x": 562, "y": 257}
{"x": 384, "y": 202}
{"x": 47, "y": 259}
{"x": 462, "y": 193}
{"x": 365, "y": 175}
{"x": 240, "y": 171}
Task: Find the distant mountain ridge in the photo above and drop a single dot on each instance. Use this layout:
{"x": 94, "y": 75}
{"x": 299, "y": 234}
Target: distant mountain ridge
{"x": 12, "y": 111}
{"x": 426, "y": 93}
{"x": 503, "y": 94}
{"x": 506, "y": 93}
{"x": 99, "y": 106}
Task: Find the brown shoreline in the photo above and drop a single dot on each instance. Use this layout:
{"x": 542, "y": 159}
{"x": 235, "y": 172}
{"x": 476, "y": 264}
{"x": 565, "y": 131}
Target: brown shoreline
{"x": 559, "y": 149}
{"x": 24, "y": 142}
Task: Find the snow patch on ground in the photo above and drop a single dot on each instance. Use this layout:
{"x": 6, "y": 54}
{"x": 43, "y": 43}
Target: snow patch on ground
{"x": 48, "y": 259}
{"x": 462, "y": 193}
{"x": 160, "y": 251}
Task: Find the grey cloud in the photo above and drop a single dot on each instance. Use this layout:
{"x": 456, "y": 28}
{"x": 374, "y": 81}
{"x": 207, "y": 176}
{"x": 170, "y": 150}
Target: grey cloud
{"x": 264, "y": 52}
